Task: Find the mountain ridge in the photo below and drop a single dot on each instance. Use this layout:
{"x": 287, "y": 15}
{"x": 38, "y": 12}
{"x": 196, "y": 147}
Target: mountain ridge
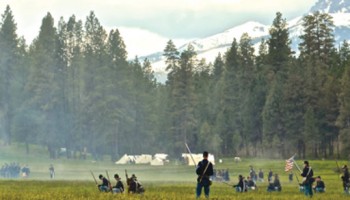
{"x": 209, "y": 47}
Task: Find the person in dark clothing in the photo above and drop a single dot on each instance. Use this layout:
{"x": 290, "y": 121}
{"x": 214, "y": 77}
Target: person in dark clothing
{"x": 240, "y": 186}
{"x": 261, "y": 176}
{"x": 276, "y": 185}
{"x": 204, "y": 170}
{"x": 269, "y": 177}
{"x": 345, "y": 178}
{"x": 252, "y": 174}
{"x": 307, "y": 179}
{"x": 104, "y": 187}
{"x": 290, "y": 177}
{"x": 52, "y": 171}
{"x": 135, "y": 186}
{"x": 119, "y": 187}
{"x": 320, "y": 186}
{"x": 250, "y": 184}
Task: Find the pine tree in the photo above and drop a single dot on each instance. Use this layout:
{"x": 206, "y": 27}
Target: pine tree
{"x": 46, "y": 97}
{"x": 9, "y": 56}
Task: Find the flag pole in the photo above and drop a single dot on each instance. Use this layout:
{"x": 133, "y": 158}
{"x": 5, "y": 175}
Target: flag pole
{"x": 296, "y": 164}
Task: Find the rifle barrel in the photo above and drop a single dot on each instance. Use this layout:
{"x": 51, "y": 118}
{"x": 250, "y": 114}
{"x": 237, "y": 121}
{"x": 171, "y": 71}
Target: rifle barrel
{"x": 93, "y": 177}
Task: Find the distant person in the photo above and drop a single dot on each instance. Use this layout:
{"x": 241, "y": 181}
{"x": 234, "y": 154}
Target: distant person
{"x": 104, "y": 187}
{"x": 52, "y": 171}
{"x": 290, "y": 177}
{"x": 320, "y": 186}
{"x": 119, "y": 187}
{"x": 25, "y": 171}
{"x": 345, "y": 178}
{"x": 275, "y": 185}
{"x": 251, "y": 184}
{"x": 307, "y": 178}
{"x": 204, "y": 170}
{"x": 135, "y": 186}
{"x": 261, "y": 176}
{"x": 269, "y": 176}
{"x": 241, "y": 185}
{"x": 252, "y": 174}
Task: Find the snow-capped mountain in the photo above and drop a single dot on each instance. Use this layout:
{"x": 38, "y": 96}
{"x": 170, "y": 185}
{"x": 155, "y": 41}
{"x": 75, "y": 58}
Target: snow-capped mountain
{"x": 332, "y": 6}
{"x": 209, "y": 47}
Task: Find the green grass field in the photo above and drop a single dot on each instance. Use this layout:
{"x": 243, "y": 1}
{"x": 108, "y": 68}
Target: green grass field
{"x": 74, "y": 181}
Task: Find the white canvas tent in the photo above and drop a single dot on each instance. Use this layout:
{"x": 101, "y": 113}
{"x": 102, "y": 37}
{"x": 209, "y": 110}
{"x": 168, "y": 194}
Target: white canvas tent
{"x": 143, "y": 159}
{"x": 197, "y": 158}
{"x": 157, "y": 162}
{"x": 125, "y": 159}
{"x": 159, "y": 159}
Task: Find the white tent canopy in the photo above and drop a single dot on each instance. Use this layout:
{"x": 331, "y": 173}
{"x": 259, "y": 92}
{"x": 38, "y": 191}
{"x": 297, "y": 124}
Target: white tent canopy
{"x": 125, "y": 159}
{"x": 197, "y": 158}
{"x": 143, "y": 159}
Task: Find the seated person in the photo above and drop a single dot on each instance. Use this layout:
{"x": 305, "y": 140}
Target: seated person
{"x": 135, "y": 186}
{"x": 241, "y": 186}
{"x": 104, "y": 187}
{"x": 275, "y": 185}
{"x": 250, "y": 184}
{"x": 119, "y": 187}
{"x": 320, "y": 186}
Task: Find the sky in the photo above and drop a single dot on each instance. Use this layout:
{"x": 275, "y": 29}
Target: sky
{"x": 180, "y": 20}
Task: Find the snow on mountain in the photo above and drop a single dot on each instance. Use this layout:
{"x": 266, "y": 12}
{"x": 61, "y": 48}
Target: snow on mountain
{"x": 254, "y": 29}
{"x": 140, "y": 42}
{"x": 332, "y": 6}
{"x": 209, "y": 47}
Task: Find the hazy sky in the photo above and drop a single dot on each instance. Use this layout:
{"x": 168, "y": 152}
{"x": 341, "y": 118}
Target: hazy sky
{"x": 169, "y": 18}
{"x": 179, "y": 20}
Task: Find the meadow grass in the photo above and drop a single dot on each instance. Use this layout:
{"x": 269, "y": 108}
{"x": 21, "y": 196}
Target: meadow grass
{"x": 74, "y": 181}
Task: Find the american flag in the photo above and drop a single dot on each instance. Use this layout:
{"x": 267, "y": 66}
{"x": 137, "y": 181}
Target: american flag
{"x": 289, "y": 164}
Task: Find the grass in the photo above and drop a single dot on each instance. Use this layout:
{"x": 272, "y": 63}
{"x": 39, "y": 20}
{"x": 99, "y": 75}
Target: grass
{"x": 74, "y": 181}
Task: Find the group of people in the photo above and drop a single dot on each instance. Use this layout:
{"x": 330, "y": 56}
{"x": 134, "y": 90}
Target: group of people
{"x": 205, "y": 170}
{"x": 14, "y": 170}
{"x": 221, "y": 175}
{"x": 134, "y": 186}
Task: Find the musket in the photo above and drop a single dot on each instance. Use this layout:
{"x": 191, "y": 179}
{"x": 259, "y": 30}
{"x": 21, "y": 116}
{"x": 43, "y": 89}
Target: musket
{"x": 94, "y": 178}
{"x": 109, "y": 182}
{"x": 127, "y": 180}
{"x": 189, "y": 151}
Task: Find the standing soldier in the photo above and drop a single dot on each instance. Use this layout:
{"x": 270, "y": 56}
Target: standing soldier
{"x": 307, "y": 180}
{"x": 204, "y": 171}
{"x": 345, "y": 178}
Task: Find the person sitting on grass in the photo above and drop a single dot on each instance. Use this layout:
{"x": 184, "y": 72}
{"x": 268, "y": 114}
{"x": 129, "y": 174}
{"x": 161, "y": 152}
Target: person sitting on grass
{"x": 275, "y": 185}
{"x": 119, "y": 187}
{"x": 251, "y": 184}
{"x": 241, "y": 186}
{"x": 104, "y": 187}
{"x": 320, "y": 186}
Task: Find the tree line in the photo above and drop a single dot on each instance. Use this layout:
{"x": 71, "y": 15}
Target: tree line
{"x": 74, "y": 88}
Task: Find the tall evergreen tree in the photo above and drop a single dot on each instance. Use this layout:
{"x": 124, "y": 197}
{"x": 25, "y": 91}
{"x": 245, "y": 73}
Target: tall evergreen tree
{"x": 9, "y": 56}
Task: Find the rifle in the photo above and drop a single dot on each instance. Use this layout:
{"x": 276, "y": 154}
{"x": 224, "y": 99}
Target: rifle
{"x": 189, "y": 151}
{"x": 127, "y": 180}
{"x": 94, "y": 179}
{"x": 109, "y": 182}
